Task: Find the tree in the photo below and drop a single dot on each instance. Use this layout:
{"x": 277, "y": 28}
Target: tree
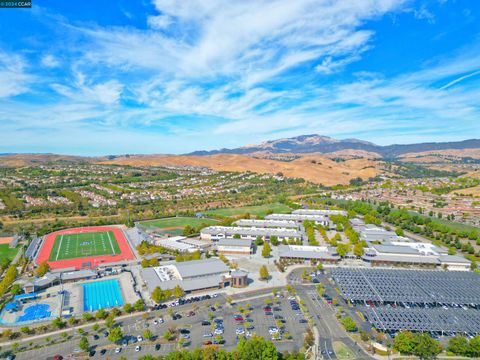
{"x": 139, "y": 305}
{"x": 178, "y": 292}
{"x": 145, "y": 263}
{"x": 404, "y": 342}
{"x": 274, "y": 240}
{"x": 58, "y": 323}
{"x": 109, "y": 322}
{"x": 258, "y": 241}
{"x": 264, "y": 275}
{"x": 84, "y": 345}
{"x": 474, "y": 346}
{"x": 101, "y": 314}
{"x": 158, "y": 295}
{"x": 266, "y": 250}
{"x": 358, "y": 249}
{"x": 95, "y": 327}
{"x": 15, "y": 289}
{"x": 426, "y": 347}
{"x": 342, "y": 249}
{"x": 128, "y": 308}
{"x": 256, "y": 348}
{"x": 115, "y": 334}
{"x": 168, "y": 335}
{"x": 42, "y": 269}
{"x": 349, "y": 324}
{"x": 147, "y": 334}
{"x": 87, "y": 316}
{"x": 458, "y": 345}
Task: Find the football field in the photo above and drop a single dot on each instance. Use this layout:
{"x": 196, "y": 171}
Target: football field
{"x": 79, "y": 245}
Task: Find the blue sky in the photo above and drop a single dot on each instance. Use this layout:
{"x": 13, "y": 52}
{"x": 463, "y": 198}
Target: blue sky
{"x": 167, "y": 76}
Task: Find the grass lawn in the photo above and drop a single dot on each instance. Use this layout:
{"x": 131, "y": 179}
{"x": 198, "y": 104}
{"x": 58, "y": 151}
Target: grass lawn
{"x": 71, "y": 246}
{"x": 260, "y": 210}
{"x": 177, "y": 222}
{"x": 6, "y": 252}
{"x": 342, "y": 351}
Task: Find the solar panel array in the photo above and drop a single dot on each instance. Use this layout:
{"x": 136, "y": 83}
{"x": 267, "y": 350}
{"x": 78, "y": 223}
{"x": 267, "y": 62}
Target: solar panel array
{"x": 451, "y": 320}
{"x": 408, "y": 286}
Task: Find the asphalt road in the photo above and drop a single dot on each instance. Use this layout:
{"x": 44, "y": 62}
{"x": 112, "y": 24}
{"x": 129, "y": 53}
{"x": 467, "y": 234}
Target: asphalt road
{"x": 329, "y": 328}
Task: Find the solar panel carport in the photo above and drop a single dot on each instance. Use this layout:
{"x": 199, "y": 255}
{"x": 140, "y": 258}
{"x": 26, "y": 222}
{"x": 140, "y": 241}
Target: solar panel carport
{"x": 408, "y": 286}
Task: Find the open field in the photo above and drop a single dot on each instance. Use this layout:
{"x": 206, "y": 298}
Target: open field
{"x": 6, "y": 252}
{"x": 72, "y": 246}
{"x": 260, "y": 210}
{"x": 177, "y": 222}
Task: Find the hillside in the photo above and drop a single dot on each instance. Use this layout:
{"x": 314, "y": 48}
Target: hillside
{"x": 20, "y": 160}
{"x": 324, "y": 144}
{"x": 315, "y": 168}
{"x": 443, "y": 156}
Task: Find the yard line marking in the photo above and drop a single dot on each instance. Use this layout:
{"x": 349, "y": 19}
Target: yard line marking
{"x": 58, "y": 251}
{"x": 113, "y": 251}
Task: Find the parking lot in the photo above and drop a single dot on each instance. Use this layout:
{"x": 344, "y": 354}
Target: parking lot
{"x": 188, "y": 324}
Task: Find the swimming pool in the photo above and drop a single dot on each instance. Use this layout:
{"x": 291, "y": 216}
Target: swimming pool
{"x": 101, "y": 294}
{"x": 35, "y": 312}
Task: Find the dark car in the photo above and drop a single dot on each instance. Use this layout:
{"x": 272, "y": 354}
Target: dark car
{"x": 184, "y": 331}
{"x": 91, "y": 353}
{"x": 103, "y": 351}
{"x": 96, "y": 337}
{"x": 157, "y": 347}
{"x": 206, "y": 323}
{"x": 105, "y": 333}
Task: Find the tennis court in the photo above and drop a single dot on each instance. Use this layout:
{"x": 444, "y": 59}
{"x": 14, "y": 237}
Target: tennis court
{"x": 80, "y": 245}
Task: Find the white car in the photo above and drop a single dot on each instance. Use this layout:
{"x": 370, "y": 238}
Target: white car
{"x": 248, "y": 333}
{"x": 161, "y": 321}
{"x": 214, "y": 295}
{"x": 218, "y": 331}
{"x": 139, "y": 338}
{"x": 155, "y": 322}
{"x": 117, "y": 350}
{"x": 240, "y": 331}
{"x": 273, "y": 330}
{"x": 137, "y": 348}
{"x": 185, "y": 336}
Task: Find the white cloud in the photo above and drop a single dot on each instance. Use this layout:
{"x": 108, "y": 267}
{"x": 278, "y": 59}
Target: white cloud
{"x": 50, "y": 61}
{"x": 14, "y": 79}
{"x": 159, "y": 21}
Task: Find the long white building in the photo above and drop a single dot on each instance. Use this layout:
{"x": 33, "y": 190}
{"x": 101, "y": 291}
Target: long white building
{"x": 285, "y": 224}
{"x": 221, "y": 232}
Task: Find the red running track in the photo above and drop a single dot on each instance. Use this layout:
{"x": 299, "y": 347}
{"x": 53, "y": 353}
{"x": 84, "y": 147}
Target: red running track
{"x": 125, "y": 251}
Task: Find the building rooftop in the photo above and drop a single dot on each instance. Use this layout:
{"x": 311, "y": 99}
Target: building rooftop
{"x": 234, "y": 242}
{"x": 252, "y": 231}
{"x": 267, "y": 223}
{"x": 198, "y": 268}
{"x": 307, "y": 252}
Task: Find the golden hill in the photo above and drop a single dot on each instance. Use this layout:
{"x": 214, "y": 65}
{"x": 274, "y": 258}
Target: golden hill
{"x": 439, "y": 156}
{"x": 313, "y": 167}
{"x": 20, "y": 160}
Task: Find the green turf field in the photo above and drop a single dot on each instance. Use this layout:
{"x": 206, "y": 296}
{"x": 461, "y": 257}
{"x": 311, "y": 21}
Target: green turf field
{"x": 177, "y": 221}
{"x": 6, "y": 252}
{"x": 71, "y": 246}
{"x": 260, "y": 210}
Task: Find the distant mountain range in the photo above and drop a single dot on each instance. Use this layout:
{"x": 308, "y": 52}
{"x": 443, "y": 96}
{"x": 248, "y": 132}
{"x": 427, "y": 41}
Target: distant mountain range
{"x": 323, "y": 144}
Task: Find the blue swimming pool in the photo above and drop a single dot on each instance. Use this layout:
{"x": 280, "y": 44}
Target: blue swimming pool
{"x": 35, "y": 312}
{"x": 101, "y": 294}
